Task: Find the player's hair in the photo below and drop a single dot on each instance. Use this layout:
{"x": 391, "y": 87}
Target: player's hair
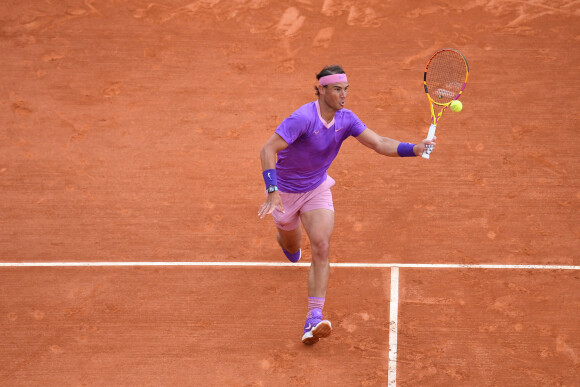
{"x": 328, "y": 70}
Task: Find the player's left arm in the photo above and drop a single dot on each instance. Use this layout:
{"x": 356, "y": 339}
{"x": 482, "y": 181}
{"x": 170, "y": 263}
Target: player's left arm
{"x": 388, "y": 146}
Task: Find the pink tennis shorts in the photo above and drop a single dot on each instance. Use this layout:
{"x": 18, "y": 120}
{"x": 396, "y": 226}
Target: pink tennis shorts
{"x": 298, "y": 203}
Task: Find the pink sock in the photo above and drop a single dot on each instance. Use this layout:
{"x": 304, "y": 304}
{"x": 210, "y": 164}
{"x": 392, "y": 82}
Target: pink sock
{"x": 314, "y": 303}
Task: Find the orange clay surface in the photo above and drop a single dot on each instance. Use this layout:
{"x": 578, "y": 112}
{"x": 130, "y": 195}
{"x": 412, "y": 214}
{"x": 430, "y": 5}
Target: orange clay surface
{"x": 130, "y": 131}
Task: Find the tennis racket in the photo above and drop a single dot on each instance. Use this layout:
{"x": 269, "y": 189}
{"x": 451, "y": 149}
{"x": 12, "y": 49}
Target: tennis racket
{"x": 445, "y": 78}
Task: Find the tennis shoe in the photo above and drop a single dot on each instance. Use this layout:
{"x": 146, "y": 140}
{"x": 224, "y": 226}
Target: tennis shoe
{"x": 316, "y": 328}
{"x": 293, "y": 257}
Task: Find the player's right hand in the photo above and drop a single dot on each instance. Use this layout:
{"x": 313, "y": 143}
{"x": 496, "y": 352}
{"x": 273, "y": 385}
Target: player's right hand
{"x": 274, "y": 200}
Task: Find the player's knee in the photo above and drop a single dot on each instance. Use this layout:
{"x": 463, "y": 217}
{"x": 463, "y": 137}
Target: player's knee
{"x": 320, "y": 249}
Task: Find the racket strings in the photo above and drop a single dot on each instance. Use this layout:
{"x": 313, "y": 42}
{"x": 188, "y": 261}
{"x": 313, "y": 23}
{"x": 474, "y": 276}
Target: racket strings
{"x": 445, "y": 76}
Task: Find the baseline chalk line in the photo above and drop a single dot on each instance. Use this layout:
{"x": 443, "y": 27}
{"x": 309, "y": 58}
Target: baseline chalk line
{"x": 289, "y": 264}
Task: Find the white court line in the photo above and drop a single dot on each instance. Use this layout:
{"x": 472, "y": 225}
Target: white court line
{"x": 289, "y": 264}
{"x": 393, "y": 322}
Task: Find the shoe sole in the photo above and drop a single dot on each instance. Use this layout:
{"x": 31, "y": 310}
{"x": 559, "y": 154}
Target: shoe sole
{"x": 320, "y": 331}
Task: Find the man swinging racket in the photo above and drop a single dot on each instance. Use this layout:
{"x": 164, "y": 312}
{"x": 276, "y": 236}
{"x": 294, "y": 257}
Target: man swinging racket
{"x": 295, "y": 161}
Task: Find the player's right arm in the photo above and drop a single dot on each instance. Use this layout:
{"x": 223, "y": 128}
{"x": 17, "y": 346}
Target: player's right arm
{"x": 268, "y": 156}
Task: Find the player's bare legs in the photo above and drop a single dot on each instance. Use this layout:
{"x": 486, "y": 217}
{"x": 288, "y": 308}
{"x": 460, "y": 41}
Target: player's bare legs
{"x": 290, "y": 241}
{"x": 319, "y": 225}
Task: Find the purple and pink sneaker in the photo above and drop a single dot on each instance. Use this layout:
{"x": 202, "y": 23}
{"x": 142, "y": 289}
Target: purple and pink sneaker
{"x": 316, "y": 328}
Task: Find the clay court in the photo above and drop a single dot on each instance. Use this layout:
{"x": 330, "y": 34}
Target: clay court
{"x": 131, "y": 253}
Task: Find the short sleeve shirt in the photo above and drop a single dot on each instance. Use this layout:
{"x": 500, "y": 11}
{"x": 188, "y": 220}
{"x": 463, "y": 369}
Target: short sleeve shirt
{"x": 312, "y": 146}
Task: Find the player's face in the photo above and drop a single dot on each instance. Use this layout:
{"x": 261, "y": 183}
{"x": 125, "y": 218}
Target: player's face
{"x": 334, "y": 95}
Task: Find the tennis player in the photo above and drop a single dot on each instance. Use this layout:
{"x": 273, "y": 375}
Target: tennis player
{"x": 295, "y": 161}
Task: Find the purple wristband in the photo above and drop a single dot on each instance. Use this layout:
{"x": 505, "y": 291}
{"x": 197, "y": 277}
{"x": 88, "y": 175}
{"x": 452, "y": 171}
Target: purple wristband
{"x": 406, "y": 150}
{"x": 269, "y": 176}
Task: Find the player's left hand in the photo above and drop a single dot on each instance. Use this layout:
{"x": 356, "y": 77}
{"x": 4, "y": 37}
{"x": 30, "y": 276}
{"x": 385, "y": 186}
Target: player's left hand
{"x": 425, "y": 145}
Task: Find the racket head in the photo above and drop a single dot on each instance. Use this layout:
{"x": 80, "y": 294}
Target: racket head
{"x": 445, "y": 76}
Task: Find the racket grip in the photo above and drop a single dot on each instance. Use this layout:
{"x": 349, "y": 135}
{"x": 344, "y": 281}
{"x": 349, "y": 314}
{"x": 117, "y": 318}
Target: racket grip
{"x": 430, "y": 136}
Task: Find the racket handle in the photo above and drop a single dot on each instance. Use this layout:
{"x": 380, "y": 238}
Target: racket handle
{"x": 430, "y": 136}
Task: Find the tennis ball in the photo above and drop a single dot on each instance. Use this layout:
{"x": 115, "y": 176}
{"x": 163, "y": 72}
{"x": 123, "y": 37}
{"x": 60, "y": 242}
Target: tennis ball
{"x": 456, "y": 106}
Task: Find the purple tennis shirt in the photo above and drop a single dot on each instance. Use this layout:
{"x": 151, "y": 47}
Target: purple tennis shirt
{"x": 312, "y": 146}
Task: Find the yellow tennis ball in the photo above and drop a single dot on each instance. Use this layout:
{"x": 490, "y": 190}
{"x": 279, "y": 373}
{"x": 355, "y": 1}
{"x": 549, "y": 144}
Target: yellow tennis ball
{"x": 456, "y": 106}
